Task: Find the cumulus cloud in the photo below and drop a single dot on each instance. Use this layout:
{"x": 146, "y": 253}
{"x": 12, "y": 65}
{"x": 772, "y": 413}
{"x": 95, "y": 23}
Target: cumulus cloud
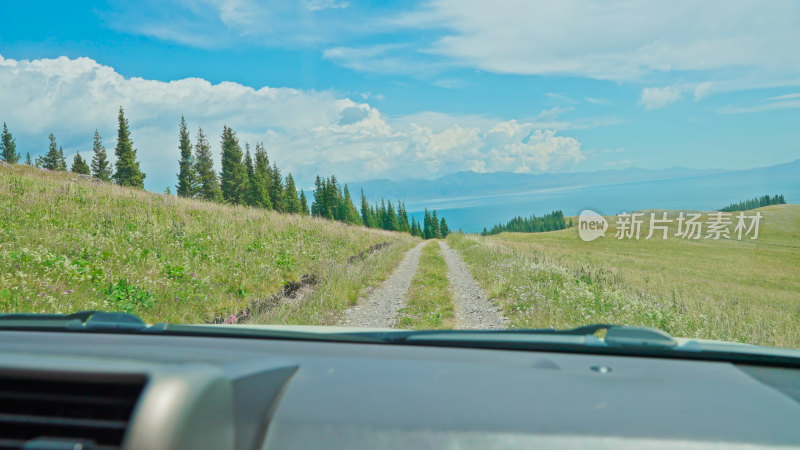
{"x": 654, "y": 97}
{"x": 306, "y": 132}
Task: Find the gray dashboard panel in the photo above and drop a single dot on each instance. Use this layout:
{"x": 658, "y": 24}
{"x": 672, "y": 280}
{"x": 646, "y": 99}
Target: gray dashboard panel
{"x": 336, "y": 395}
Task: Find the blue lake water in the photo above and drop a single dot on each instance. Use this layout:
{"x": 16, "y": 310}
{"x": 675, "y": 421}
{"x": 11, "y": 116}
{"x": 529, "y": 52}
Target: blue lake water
{"x": 710, "y": 192}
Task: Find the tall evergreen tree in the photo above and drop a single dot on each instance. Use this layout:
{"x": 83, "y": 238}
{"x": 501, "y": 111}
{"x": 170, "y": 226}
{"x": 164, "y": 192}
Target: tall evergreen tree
{"x": 390, "y": 219}
{"x": 443, "y": 228}
{"x": 427, "y": 227}
{"x": 351, "y": 215}
{"x": 437, "y": 233}
{"x": 62, "y": 161}
{"x": 276, "y": 188}
{"x": 402, "y": 217}
{"x": 127, "y": 171}
{"x": 79, "y": 165}
{"x": 234, "y": 182}
{"x": 250, "y": 197}
{"x": 415, "y": 228}
{"x": 8, "y": 147}
{"x": 187, "y": 180}
{"x": 291, "y": 202}
{"x": 54, "y": 158}
{"x": 367, "y": 214}
{"x": 304, "y": 203}
{"x": 316, "y": 207}
{"x": 208, "y": 182}
{"x": 101, "y": 169}
{"x": 262, "y": 179}
{"x": 28, "y": 161}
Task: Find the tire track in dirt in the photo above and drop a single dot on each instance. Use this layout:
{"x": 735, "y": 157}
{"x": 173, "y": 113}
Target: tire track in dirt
{"x": 472, "y": 306}
{"x": 379, "y": 309}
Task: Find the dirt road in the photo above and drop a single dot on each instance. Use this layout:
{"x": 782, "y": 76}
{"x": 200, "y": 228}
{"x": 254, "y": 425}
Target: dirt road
{"x": 473, "y": 309}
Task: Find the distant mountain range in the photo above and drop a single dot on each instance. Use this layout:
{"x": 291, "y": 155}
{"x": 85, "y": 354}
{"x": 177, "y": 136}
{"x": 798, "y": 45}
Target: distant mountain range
{"x": 471, "y": 200}
{"x": 462, "y": 184}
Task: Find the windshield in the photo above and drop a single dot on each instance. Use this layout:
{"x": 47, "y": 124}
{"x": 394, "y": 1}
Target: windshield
{"x": 418, "y": 165}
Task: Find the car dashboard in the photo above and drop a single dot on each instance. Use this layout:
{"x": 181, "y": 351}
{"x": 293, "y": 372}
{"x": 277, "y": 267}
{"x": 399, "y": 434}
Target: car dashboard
{"x": 134, "y": 391}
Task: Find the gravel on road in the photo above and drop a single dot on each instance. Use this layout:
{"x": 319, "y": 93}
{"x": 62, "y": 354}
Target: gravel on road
{"x": 472, "y": 306}
{"x": 379, "y": 309}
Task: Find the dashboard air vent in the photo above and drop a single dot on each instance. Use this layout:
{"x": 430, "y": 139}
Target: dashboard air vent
{"x": 60, "y": 413}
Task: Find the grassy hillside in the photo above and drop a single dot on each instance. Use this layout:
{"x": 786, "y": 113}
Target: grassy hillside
{"x": 68, "y": 244}
{"x": 746, "y": 291}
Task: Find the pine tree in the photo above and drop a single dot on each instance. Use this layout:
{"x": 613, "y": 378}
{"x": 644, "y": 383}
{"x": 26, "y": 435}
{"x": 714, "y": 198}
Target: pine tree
{"x": 187, "y": 180}
{"x": 402, "y": 217}
{"x": 437, "y": 233}
{"x": 8, "y": 147}
{"x": 28, "y": 159}
{"x": 351, "y": 213}
{"x": 262, "y": 178}
{"x": 127, "y": 167}
{"x": 234, "y": 182}
{"x": 53, "y": 159}
{"x": 79, "y": 165}
{"x": 250, "y": 197}
{"x": 62, "y": 161}
{"x": 208, "y": 182}
{"x": 427, "y": 227}
{"x": 443, "y": 228}
{"x": 316, "y": 207}
{"x": 101, "y": 169}
{"x": 276, "y": 188}
{"x": 390, "y": 219}
{"x": 304, "y": 202}
{"x": 367, "y": 215}
{"x": 291, "y": 203}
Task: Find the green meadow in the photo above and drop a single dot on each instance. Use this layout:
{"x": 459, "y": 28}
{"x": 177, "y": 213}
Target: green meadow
{"x": 728, "y": 289}
{"x": 69, "y": 244}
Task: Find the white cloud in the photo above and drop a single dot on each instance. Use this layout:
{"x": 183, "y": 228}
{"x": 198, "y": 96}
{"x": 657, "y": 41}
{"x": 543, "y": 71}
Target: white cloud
{"x": 319, "y": 5}
{"x": 306, "y": 132}
{"x": 598, "y": 101}
{"x": 229, "y": 23}
{"x": 654, "y": 98}
{"x": 617, "y": 40}
{"x": 382, "y": 58}
{"x": 785, "y": 97}
{"x": 786, "y": 104}
{"x": 703, "y": 90}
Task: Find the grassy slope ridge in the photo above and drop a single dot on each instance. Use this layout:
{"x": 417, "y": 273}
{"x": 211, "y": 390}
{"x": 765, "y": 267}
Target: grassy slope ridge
{"x": 429, "y": 304}
{"x": 745, "y": 291}
{"x": 68, "y": 245}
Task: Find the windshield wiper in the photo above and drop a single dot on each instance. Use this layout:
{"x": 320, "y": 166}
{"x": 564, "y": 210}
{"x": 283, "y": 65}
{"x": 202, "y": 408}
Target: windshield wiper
{"x": 83, "y": 320}
{"x": 121, "y": 322}
{"x": 616, "y": 337}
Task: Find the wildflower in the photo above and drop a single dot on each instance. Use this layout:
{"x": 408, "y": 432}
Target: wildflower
{"x": 234, "y": 318}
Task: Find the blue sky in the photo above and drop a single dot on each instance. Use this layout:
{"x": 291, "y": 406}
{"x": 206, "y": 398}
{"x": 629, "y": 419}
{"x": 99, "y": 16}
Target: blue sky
{"x": 413, "y": 89}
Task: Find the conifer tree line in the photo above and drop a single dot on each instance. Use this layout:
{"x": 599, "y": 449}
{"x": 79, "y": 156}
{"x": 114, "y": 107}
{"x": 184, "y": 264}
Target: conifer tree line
{"x": 754, "y": 203}
{"x": 548, "y": 222}
{"x": 126, "y": 171}
{"x": 245, "y": 178}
